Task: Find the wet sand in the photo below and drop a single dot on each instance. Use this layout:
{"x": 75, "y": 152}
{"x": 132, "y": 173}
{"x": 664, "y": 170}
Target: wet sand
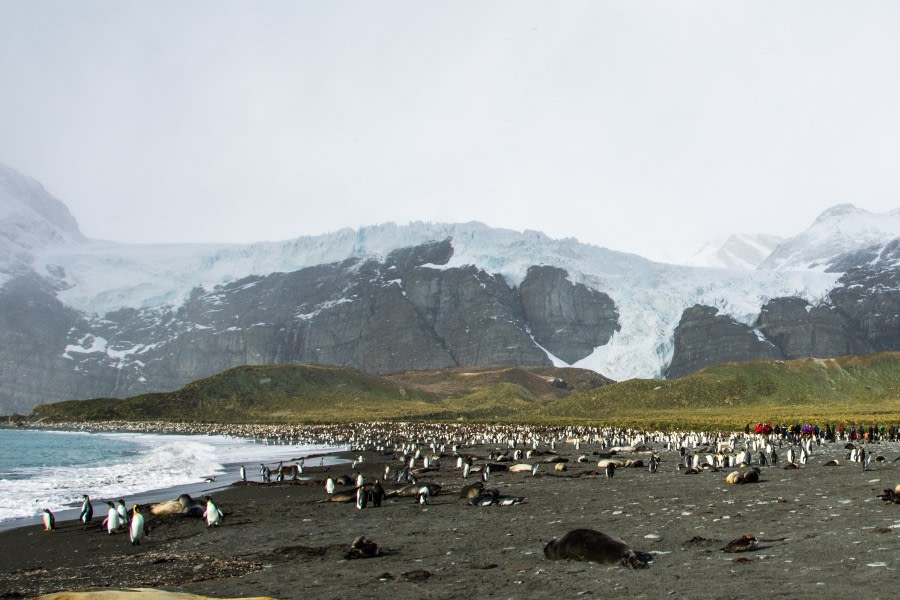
{"x": 822, "y": 531}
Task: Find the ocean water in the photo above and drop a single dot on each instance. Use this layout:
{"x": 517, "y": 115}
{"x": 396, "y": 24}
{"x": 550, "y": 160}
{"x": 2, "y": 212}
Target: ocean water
{"x": 47, "y": 469}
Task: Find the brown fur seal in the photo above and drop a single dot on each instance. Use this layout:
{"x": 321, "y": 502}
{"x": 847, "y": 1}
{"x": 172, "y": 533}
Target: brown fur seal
{"x": 471, "y": 490}
{"x": 745, "y": 543}
{"x": 362, "y": 548}
{"x": 751, "y": 476}
{"x": 594, "y": 546}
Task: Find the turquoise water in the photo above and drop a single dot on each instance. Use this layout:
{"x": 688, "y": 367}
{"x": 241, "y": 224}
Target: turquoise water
{"x": 47, "y": 469}
{"x": 22, "y": 450}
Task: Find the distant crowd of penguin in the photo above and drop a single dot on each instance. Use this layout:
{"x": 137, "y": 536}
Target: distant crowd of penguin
{"x": 420, "y": 451}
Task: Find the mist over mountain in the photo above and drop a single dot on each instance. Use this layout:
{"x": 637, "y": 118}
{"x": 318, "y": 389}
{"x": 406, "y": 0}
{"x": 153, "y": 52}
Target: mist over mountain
{"x": 81, "y": 318}
{"x": 738, "y": 251}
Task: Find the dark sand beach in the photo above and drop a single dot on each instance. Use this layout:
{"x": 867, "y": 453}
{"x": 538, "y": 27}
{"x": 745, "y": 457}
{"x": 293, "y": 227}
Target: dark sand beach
{"x": 822, "y": 532}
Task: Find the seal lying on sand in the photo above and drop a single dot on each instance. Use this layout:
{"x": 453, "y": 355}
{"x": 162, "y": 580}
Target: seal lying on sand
{"x": 182, "y": 505}
{"x": 130, "y": 594}
{"x": 594, "y": 546}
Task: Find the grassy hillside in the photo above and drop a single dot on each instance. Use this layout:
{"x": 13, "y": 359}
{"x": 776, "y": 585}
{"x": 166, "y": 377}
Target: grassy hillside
{"x": 853, "y": 388}
{"x": 862, "y": 389}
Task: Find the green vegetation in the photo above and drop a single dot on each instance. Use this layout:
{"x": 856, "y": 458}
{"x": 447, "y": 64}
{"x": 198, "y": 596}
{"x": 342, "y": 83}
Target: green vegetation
{"x": 860, "y": 389}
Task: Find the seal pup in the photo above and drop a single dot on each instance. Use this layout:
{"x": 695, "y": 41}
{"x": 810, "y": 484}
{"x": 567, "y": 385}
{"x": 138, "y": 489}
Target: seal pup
{"x": 594, "y": 546}
{"x": 49, "y": 520}
{"x": 212, "y": 514}
{"x": 362, "y": 548}
{"x": 138, "y": 527}
{"x": 745, "y": 543}
{"x": 87, "y": 510}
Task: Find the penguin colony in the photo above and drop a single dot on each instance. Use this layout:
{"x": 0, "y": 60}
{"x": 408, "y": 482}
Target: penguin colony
{"x": 430, "y": 460}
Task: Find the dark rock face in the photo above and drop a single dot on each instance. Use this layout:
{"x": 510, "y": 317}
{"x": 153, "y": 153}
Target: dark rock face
{"x": 401, "y": 314}
{"x": 568, "y": 319}
{"x": 862, "y": 316}
{"x": 704, "y": 338}
{"x": 34, "y": 330}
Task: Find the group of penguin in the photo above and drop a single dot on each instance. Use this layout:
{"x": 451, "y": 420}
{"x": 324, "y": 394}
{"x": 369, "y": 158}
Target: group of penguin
{"x": 117, "y": 518}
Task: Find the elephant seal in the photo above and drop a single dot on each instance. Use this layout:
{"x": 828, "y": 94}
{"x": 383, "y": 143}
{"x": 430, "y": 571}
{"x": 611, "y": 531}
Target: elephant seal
{"x": 182, "y": 505}
{"x": 594, "y": 546}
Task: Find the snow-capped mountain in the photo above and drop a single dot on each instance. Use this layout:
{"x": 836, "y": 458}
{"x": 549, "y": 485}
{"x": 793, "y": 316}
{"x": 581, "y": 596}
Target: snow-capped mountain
{"x": 82, "y": 318}
{"x": 30, "y": 219}
{"x": 738, "y": 251}
{"x": 841, "y": 237}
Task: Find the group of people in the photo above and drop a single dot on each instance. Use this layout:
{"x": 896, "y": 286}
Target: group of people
{"x": 853, "y": 433}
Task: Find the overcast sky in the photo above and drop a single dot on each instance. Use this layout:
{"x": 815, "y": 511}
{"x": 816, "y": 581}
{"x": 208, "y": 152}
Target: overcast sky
{"x": 648, "y": 127}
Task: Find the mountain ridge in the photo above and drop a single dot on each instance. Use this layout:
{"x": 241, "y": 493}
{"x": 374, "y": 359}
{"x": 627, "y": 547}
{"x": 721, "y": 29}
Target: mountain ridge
{"x": 89, "y": 318}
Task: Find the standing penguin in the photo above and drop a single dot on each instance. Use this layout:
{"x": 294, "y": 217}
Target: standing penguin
{"x": 113, "y": 521}
{"x": 243, "y": 473}
{"x": 377, "y": 494}
{"x": 87, "y": 510}
{"x": 610, "y": 469}
{"x": 654, "y": 464}
{"x": 212, "y": 514}
{"x": 49, "y": 520}
{"x": 329, "y": 486}
{"x": 362, "y": 497}
{"x": 138, "y": 526}
{"x": 123, "y": 512}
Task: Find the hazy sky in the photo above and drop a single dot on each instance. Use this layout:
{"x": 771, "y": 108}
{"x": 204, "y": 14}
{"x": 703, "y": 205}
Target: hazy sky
{"x": 648, "y": 127}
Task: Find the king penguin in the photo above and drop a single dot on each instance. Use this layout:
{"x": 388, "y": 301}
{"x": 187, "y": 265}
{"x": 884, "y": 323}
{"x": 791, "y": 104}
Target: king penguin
{"x": 212, "y": 514}
{"x": 122, "y": 510}
{"x": 112, "y": 522}
{"x": 362, "y": 497}
{"x": 243, "y": 473}
{"x": 87, "y": 510}
{"x": 49, "y": 520}
{"x": 138, "y": 526}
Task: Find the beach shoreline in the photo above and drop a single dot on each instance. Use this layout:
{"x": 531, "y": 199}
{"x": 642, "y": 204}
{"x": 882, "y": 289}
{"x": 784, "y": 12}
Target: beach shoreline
{"x": 227, "y": 475}
{"x": 821, "y": 529}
